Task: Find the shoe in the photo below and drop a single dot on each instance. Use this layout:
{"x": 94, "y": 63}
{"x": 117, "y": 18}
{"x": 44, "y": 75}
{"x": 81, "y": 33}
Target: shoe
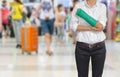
{"x": 50, "y": 53}
{"x": 18, "y": 46}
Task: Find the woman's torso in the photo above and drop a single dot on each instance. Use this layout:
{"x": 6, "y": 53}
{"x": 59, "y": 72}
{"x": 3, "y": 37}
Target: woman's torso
{"x": 17, "y": 8}
{"x": 90, "y": 36}
{"x": 5, "y": 13}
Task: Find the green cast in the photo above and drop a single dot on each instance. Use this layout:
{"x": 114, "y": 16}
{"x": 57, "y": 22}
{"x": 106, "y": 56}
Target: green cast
{"x": 86, "y": 17}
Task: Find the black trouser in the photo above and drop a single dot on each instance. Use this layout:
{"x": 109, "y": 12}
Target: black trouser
{"x": 0, "y": 34}
{"x": 83, "y": 55}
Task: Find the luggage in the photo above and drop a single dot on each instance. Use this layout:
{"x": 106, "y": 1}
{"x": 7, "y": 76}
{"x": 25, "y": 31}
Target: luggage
{"x": 29, "y": 39}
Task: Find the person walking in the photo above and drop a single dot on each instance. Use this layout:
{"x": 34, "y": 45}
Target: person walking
{"x": 47, "y": 18}
{"x": 5, "y": 14}
{"x": 90, "y": 39}
{"x": 60, "y": 21}
{"x": 16, "y": 12}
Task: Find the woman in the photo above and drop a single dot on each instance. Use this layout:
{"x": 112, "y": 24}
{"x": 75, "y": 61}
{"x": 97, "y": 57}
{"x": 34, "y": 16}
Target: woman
{"x": 17, "y": 20}
{"x": 90, "y": 36}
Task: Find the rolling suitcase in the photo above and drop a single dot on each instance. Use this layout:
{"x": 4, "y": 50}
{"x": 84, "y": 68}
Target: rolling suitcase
{"x": 29, "y": 39}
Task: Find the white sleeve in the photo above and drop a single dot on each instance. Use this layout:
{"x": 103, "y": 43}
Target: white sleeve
{"x": 103, "y": 16}
{"x": 74, "y": 19}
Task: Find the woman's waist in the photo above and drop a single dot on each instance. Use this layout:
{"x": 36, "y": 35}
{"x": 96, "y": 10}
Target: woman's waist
{"x": 90, "y": 34}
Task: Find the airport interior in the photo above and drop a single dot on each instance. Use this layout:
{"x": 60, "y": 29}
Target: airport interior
{"x": 16, "y": 61}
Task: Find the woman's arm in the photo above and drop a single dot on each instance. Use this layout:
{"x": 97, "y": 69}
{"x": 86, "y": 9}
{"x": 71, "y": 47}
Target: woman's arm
{"x": 74, "y": 22}
{"x": 84, "y": 28}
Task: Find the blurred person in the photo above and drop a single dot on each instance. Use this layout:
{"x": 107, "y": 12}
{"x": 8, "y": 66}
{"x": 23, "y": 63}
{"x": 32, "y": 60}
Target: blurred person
{"x": 0, "y": 25}
{"x": 29, "y": 12}
{"x": 24, "y": 15}
{"x": 12, "y": 35}
{"x": 0, "y": 32}
{"x": 75, "y": 2}
{"x": 5, "y": 14}
{"x": 69, "y": 16}
{"x": 90, "y": 40}
{"x": 34, "y": 17}
{"x": 16, "y": 12}
{"x": 117, "y": 38}
{"x": 60, "y": 21}
{"x": 47, "y": 18}
{"x": 72, "y": 34}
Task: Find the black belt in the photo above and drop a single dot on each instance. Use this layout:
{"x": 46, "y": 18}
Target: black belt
{"x": 90, "y": 45}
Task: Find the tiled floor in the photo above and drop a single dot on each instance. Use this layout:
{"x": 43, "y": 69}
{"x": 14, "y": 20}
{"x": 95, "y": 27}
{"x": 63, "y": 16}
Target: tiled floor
{"x": 61, "y": 64}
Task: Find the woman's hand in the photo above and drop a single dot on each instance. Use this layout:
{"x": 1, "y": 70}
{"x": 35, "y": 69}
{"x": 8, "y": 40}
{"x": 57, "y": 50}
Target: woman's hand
{"x": 98, "y": 27}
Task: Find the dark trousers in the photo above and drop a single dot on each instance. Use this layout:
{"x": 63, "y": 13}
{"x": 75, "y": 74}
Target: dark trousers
{"x": 83, "y": 55}
{"x": 0, "y": 34}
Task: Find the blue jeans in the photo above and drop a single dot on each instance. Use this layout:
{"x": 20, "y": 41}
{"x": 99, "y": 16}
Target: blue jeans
{"x": 17, "y": 30}
{"x": 47, "y": 26}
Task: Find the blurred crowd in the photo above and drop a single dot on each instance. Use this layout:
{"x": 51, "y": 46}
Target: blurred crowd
{"x": 48, "y": 18}
{"x": 51, "y": 19}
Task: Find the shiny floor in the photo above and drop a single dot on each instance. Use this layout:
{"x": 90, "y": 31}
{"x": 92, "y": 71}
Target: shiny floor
{"x": 61, "y": 64}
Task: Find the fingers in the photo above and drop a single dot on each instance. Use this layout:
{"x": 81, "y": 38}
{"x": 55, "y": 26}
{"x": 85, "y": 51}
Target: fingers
{"x": 95, "y": 29}
{"x": 99, "y": 26}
